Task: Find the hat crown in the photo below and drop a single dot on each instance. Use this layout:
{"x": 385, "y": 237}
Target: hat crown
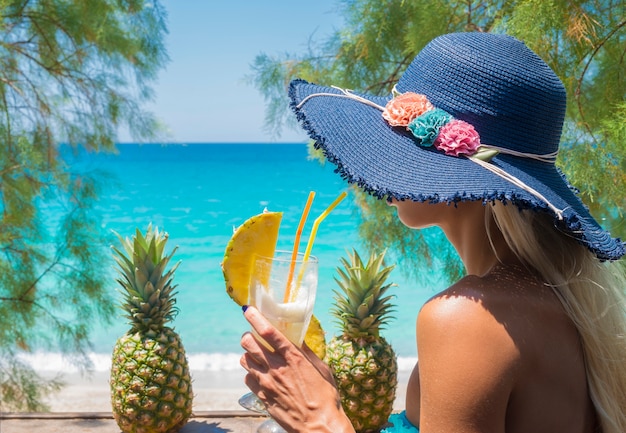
{"x": 507, "y": 92}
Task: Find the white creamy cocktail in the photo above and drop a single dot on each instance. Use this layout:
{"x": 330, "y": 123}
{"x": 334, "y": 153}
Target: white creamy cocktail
{"x": 284, "y": 292}
{"x": 283, "y": 289}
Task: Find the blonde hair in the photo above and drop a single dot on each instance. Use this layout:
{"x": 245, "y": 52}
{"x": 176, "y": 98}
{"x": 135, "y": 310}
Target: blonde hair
{"x": 592, "y": 293}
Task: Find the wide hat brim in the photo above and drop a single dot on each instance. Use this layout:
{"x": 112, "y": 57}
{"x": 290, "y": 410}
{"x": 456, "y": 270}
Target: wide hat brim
{"x": 387, "y": 162}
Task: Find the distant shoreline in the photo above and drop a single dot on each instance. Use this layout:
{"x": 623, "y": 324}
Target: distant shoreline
{"x": 49, "y": 363}
{"x": 212, "y": 390}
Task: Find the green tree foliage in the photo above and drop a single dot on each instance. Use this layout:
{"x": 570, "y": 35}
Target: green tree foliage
{"x": 583, "y": 41}
{"x": 71, "y": 72}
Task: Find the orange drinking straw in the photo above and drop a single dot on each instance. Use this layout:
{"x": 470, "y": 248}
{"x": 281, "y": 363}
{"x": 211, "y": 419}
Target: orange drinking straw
{"x": 294, "y": 255}
{"x": 316, "y": 224}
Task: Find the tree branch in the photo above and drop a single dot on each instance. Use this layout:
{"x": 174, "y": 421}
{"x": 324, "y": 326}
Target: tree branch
{"x": 580, "y": 80}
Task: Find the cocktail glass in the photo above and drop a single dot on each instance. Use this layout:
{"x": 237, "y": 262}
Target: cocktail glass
{"x": 283, "y": 290}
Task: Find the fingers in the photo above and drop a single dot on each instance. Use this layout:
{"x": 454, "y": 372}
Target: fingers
{"x": 255, "y": 364}
{"x": 252, "y": 345}
{"x": 253, "y": 384}
{"x": 254, "y": 361}
{"x": 266, "y": 330}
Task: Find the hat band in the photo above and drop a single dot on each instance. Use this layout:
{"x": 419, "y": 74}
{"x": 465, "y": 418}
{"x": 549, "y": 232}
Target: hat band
{"x": 432, "y": 126}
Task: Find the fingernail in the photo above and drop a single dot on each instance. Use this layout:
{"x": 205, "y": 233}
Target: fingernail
{"x": 244, "y": 308}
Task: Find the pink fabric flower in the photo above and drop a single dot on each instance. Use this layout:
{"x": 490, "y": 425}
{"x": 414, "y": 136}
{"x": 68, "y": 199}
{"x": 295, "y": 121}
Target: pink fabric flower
{"x": 406, "y": 107}
{"x": 457, "y": 138}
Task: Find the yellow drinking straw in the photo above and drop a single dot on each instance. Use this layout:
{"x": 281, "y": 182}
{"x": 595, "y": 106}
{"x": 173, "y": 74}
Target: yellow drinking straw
{"x": 316, "y": 224}
{"x": 294, "y": 255}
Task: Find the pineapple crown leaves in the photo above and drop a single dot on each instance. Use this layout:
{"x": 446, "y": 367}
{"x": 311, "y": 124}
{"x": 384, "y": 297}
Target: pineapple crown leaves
{"x": 361, "y": 307}
{"x": 149, "y": 297}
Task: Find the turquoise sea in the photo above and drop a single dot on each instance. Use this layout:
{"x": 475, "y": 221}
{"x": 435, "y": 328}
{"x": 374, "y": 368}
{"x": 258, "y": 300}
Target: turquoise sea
{"x": 198, "y": 193}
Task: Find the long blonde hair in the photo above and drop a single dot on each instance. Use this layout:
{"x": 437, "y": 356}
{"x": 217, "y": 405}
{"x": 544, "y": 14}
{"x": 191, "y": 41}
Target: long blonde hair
{"x": 593, "y": 294}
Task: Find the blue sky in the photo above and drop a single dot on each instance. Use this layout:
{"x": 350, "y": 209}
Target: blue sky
{"x": 201, "y": 95}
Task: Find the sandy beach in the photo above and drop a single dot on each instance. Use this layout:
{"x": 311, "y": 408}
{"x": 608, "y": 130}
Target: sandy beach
{"x": 213, "y": 391}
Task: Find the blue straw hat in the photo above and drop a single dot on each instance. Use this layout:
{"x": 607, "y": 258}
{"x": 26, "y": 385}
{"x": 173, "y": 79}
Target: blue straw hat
{"x": 476, "y": 116}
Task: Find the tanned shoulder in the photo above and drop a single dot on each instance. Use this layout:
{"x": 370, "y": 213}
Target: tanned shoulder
{"x": 467, "y": 361}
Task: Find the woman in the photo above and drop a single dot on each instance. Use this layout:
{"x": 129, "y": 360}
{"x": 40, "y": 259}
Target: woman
{"x": 533, "y": 339}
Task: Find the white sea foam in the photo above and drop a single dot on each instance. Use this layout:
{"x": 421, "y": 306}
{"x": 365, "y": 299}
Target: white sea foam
{"x": 406, "y": 363}
{"x": 214, "y": 361}
{"x": 57, "y": 362}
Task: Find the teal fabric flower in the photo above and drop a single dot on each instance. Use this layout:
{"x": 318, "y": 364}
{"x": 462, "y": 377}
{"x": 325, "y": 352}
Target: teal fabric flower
{"x": 426, "y": 127}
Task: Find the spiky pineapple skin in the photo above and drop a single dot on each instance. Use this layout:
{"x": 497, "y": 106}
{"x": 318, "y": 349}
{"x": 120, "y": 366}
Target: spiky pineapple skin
{"x": 363, "y": 363}
{"x": 151, "y": 388}
{"x": 150, "y": 380}
{"x": 366, "y": 374}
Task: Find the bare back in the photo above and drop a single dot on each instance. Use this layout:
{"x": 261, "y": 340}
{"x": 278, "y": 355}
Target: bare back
{"x": 498, "y": 354}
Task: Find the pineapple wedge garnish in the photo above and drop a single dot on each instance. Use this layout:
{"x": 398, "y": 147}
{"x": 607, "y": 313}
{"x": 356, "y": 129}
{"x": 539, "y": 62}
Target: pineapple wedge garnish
{"x": 315, "y": 338}
{"x": 258, "y": 235}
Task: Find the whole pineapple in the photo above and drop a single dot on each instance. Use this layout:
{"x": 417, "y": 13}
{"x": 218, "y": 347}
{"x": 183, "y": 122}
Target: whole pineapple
{"x": 362, "y": 361}
{"x": 150, "y": 381}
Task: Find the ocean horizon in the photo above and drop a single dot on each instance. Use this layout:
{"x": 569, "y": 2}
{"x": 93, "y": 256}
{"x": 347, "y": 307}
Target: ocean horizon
{"x": 198, "y": 193}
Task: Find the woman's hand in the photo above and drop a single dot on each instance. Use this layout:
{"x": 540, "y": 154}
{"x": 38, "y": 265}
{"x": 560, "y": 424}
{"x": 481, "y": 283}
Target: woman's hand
{"x": 297, "y": 387}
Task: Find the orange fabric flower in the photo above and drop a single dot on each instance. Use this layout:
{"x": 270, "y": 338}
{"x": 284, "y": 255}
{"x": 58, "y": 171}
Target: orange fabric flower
{"x": 406, "y": 107}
